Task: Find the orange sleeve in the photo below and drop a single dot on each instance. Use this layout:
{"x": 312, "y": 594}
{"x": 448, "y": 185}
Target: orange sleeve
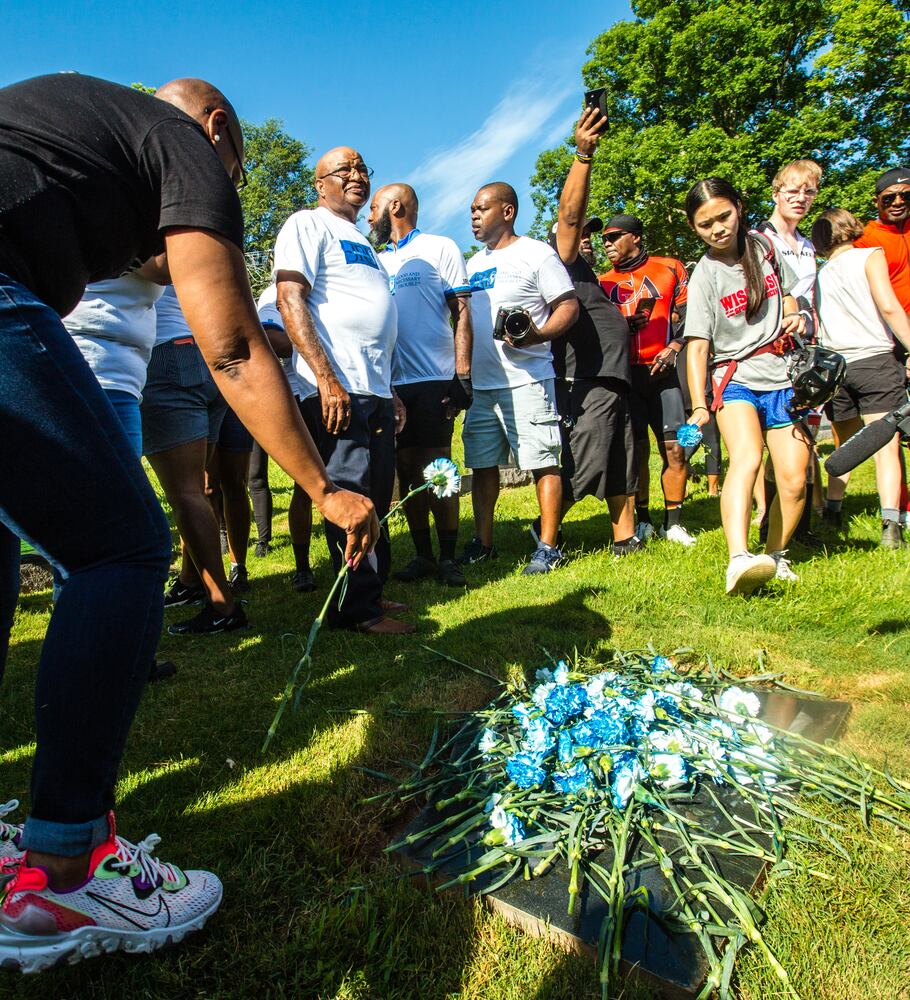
{"x": 682, "y": 283}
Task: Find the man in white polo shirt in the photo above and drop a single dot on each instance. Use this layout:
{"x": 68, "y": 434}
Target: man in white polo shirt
{"x": 514, "y": 406}
{"x": 339, "y": 313}
{"x": 431, "y": 367}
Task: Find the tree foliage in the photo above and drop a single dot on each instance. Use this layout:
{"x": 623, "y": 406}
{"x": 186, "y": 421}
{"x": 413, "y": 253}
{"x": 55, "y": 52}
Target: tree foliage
{"x": 736, "y": 88}
{"x": 280, "y": 183}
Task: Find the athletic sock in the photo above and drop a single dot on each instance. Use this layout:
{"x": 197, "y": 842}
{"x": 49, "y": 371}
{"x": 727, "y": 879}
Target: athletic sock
{"x": 643, "y": 513}
{"x": 891, "y": 514}
{"x": 301, "y": 557}
{"x": 672, "y": 514}
{"x": 447, "y": 542}
{"x": 834, "y": 505}
{"x": 423, "y": 543}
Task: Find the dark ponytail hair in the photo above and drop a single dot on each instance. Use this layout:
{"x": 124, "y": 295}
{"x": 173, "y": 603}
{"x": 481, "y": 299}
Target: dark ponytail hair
{"x": 751, "y": 253}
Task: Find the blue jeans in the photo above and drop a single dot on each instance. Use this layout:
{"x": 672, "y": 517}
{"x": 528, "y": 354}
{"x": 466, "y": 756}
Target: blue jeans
{"x": 80, "y": 497}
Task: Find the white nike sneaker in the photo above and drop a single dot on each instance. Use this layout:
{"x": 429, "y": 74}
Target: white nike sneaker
{"x": 9, "y": 832}
{"x": 644, "y": 530}
{"x": 783, "y": 571}
{"x": 130, "y": 901}
{"x": 747, "y": 572}
{"x": 677, "y": 533}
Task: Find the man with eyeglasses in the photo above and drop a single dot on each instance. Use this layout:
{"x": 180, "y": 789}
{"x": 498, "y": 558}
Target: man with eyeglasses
{"x": 334, "y": 297}
{"x": 793, "y": 191}
{"x": 98, "y": 178}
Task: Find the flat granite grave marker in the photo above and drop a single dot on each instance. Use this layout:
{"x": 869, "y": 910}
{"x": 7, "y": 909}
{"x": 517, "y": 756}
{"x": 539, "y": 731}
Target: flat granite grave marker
{"x": 673, "y": 964}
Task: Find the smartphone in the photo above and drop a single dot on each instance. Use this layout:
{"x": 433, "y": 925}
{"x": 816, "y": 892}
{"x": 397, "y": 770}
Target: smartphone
{"x": 597, "y": 99}
{"x": 645, "y": 307}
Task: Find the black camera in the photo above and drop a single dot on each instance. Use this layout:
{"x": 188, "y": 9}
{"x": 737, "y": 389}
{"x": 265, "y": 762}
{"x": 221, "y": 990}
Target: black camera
{"x": 513, "y": 323}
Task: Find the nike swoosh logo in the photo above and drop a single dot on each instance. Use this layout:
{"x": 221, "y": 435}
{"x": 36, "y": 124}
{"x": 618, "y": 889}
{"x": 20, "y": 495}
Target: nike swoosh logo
{"x": 124, "y": 911}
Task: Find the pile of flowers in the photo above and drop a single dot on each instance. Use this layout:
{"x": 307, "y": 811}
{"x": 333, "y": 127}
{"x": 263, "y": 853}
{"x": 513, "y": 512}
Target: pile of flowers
{"x": 599, "y": 769}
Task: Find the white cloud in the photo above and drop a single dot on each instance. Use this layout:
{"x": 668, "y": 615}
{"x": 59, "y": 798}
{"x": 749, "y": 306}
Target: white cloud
{"x": 448, "y": 179}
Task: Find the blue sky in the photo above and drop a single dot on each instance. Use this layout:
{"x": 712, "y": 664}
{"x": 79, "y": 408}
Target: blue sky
{"x": 446, "y": 96}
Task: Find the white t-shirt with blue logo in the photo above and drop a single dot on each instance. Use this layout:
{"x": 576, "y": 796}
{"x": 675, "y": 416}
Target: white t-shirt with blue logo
{"x": 350, "y": 301}
{"x": 267, "y": 307}
{"x": 425, "y": 272}
{"x": 527, "y": 274}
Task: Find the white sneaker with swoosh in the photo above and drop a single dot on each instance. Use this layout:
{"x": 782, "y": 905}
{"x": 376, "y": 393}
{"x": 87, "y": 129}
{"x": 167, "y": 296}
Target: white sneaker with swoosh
{"x": 130, "y": 902}
{"x": 9, "y": 832}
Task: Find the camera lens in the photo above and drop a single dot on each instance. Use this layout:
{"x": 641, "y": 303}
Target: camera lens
{"x": 517, "y": 325}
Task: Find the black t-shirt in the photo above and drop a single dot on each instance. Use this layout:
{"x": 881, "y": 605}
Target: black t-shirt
{"x": 91, "y": 174}
{"x": 597, "y": 346}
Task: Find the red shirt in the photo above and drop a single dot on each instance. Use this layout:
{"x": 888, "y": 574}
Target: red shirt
{"x": 896, "y": 244}
{"x": 661, "y": 278}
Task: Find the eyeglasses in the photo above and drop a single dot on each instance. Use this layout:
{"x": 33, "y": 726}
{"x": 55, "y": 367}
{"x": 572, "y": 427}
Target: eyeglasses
{"x": 889, "y": 199}
{"x": 614, "y": 236}
{"x": 792, "y": 193}
{"x": 244, "y": 180}
{"x": 347, "y": 170}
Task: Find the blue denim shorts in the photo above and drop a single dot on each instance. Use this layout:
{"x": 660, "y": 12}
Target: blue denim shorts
{"x": 770, "y": 404}
{"x": 180, "y": 401}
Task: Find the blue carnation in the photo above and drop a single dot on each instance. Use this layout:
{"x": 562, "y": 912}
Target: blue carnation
{"x": 600, "y": 730}
{"x": 525, "y": 770}
{"x": 660, "y": 664}
{"x": 564, "y": 702}
{"x": 688, "y": 435}
{"x": 574, "y": 780}
{"x": 538, "y": 737}
{"x": 566, "y": 749}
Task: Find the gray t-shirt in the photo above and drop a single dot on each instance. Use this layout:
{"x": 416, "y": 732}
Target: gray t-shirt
{"x": 716, "y": 311}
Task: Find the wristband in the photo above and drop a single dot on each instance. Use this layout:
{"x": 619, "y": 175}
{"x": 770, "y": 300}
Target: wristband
{"x": 705, "y": 408}
{"x": 583, "y": 157}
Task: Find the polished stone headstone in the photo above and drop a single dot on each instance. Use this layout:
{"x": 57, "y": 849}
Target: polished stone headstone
{"x": 671, "y": 963}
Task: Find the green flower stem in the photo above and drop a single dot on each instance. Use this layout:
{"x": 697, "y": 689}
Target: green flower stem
{"x": 291, "y": 685}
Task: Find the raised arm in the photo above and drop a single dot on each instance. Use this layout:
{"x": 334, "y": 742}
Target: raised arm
{"x": 573, "y": 202}
{"x": 214, "y": 293}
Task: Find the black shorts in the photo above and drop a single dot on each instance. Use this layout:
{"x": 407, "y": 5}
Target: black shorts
{"x": 872, "y": 385}
{"x": 233, "y": 436}
{"x": 598, "y": 453}
{"x": 655, "y": 402}
{"x": 426, "y": 425}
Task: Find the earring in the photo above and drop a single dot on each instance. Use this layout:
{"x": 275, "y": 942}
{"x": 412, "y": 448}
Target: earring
{"x": 217, "y": 138}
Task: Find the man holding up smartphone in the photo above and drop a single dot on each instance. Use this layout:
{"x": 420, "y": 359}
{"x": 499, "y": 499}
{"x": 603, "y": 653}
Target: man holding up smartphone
{"x": 651, "y": 293}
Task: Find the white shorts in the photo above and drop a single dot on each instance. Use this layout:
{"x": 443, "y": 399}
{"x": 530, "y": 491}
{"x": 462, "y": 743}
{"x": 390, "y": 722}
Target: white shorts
{"x": 522, "y": 420}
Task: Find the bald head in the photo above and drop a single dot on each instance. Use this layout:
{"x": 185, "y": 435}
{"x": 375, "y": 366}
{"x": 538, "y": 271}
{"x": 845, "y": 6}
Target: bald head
{"x": 502, "y": 192}
{"x": 393, "y": 213}
{"x": 342, "y": 181}
{"x": 206, "y": 104}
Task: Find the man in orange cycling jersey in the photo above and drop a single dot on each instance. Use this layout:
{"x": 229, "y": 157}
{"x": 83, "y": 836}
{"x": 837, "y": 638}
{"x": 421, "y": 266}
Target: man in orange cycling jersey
{"x": 651, "y": 293}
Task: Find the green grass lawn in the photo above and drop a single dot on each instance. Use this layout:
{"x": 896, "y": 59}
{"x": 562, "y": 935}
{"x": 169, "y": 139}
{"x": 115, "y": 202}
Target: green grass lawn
{"x": 312, "y": 907}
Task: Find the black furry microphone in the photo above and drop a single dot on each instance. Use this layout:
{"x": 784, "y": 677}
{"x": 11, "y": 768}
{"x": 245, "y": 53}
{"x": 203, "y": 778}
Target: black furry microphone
{"x": 864, "y": 444}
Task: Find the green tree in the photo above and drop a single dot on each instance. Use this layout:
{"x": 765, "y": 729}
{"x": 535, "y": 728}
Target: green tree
{"x": 280, "y": 183}
{"x": 736, "y": 88}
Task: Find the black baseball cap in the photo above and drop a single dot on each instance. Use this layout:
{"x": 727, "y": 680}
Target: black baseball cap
{"x": 626, "y": 224}
{"x": 897, "y": 175}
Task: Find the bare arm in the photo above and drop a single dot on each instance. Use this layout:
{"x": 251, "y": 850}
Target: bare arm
{"x": 155, "y": 269}
{"x": 884, "y": 298}
{"x": 293, "y": 289}
{"x": 460, "y": 308}
{"x": 210, "y": 279}
{"x": 697, "y": 373}
{"x": 573, "y": 202}
{"x": 793, "y": 320}
{"x": 278, "y": 340}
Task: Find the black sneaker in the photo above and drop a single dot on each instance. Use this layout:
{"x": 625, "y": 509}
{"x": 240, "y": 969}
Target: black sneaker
{"x": 161, "y": 670}
{"x": 534, "y": 529}
{"x": 239, "y": 580}
{"x": 809, "y": 540}
{"x": 418, "y": 568}
{"x": 262, "y": 549}
{"x": 449, "y": 574}
{"x": 892, "y": 536}
{"x": 303, "y": 581}
{"x": 211, "y": 622}
{"x": 178, "y": 595}
{"x": 627, "y": 547}
{"x": 475, "y": 552}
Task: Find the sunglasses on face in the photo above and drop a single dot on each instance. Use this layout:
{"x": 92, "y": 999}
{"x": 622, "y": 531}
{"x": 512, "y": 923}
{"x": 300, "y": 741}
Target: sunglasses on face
{"x": 889, "y": 199}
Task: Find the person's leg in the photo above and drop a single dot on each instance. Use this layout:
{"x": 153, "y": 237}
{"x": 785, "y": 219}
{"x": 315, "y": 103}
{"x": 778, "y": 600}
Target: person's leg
{"x": 790, "y": 448}
{"x": 180, "y": 471}
{"x": 10, "y": 549}
{"x": 235, "y": 468}
{"x": 261, "y": 497}
{"x": 410, "y": 462}
{"x": 711, "y": 445}
{"x": 888, "y": 475}
{"x": 841, "y": 431}
{"x": 486, "y": 447}
{"x": 548, "y": 485}
{"x": 112, "y": 544}
{"x": 622, "y": 517}
{"x": 484, "y": 494}
{"x": 742, "y": 436}
{"x": 638, "y": 411}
